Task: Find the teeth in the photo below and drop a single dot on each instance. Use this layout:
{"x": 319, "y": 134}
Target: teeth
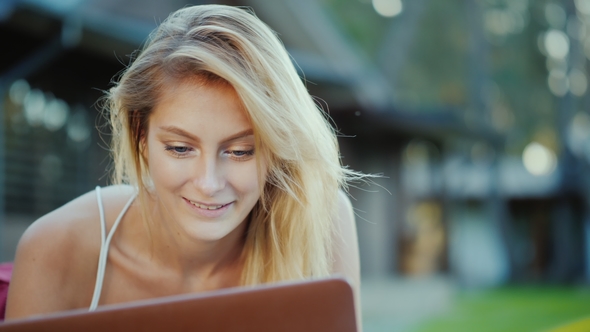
{"x": 207, "y": 207}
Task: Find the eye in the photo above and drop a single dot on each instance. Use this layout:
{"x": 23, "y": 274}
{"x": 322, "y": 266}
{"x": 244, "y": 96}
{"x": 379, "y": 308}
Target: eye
{"x": 240, "y": 155}
{"x": 178, "y": 151}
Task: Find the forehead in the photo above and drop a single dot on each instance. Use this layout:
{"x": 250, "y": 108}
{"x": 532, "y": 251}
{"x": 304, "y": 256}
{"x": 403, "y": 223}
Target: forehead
{"x": 200, "y": 108}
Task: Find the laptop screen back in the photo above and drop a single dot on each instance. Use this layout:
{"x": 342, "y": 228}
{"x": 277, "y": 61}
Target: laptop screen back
{"x": 321, "y": 305}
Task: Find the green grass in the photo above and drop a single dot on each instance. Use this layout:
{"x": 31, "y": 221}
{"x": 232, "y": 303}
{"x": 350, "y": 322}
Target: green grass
{"x": 518, "y": 309}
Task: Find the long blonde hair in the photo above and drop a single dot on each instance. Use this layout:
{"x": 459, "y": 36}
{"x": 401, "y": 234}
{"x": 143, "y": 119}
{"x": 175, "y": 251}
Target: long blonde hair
{"x": 291, "y": 227}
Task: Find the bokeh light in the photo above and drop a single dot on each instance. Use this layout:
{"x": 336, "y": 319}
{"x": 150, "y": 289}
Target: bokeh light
{"x": 583, "y": 6}
{"x": 539, "y": 160}
{"x": 578, "y": 133}
{"x": 56, "y": 114}
{"x": 77, "y": 128}
{"x": 556, "y": 64}
{"x": 18, "y": 91}
{"x": 503, "y": 22}
{"x": 578, "y": 82}
{"x": 555, "y": 15}
{"x": 576, "y": 29}
{"x": 388, "y": 8}
{"x": 557, "y": 44}
{"x": 558, "y": 82}
{"x": 34, "y": 105}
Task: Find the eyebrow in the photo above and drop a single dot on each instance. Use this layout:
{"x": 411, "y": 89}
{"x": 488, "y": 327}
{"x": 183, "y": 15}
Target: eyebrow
{"x": 178, "y": 131}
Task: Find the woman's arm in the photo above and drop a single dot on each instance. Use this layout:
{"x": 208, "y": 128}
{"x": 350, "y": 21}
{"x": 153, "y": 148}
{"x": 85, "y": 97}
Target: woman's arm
{"x": 346, "y": 250}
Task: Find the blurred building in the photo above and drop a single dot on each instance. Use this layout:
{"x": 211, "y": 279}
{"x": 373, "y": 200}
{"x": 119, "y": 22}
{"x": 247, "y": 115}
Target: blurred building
{"x": 473, "y": 112}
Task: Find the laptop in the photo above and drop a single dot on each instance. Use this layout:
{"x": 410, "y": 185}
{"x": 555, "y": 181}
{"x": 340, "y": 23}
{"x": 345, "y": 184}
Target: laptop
{"x": 324, "y": 305}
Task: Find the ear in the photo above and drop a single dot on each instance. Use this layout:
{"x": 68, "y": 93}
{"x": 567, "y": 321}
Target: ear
{"x": 143, "y": 146}
{"x": 141, "y": 136}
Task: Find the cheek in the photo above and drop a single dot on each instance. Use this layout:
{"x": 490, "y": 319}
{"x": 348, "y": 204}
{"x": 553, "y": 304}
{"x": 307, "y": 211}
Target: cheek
{"x": 244, "y": 178}
{"x": 165, "y": 171}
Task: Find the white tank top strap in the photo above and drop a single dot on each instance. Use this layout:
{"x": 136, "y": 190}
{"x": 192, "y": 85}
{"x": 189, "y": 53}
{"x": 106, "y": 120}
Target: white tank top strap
{"x": 104, "y": 245}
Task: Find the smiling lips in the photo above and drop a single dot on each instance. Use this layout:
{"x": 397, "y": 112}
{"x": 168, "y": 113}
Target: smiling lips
{"x": 209, "y": 211}
{"x": 207, "y": 207}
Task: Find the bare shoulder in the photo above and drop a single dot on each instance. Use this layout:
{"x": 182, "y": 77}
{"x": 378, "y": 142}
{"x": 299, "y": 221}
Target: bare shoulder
{"x": 345, "y": 248}
{"x": 73, "y": 226}
{"x": 345, "y": 211}
{"x": 57, "y": 256}
{"x": 345, "y": 234}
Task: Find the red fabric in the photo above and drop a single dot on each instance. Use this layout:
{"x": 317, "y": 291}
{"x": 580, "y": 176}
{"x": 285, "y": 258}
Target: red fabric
{"x": 5, "y": 274}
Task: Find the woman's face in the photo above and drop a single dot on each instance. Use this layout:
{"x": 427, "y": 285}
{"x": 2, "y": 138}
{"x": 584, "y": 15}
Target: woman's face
{"x": 201, "y": 158}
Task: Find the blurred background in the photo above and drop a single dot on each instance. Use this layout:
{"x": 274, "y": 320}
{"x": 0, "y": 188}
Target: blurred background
{"x": 475, "y": 113}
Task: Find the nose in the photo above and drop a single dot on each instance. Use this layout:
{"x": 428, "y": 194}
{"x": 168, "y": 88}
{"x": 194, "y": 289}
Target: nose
{"x": 208, "y": 176}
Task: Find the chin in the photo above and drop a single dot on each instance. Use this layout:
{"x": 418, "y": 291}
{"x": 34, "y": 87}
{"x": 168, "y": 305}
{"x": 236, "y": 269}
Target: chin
{"x": 210, "y": 231}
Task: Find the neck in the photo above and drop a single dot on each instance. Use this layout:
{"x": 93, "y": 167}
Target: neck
{"x": 194, "y": 257}
{"x": 212, "y": 264}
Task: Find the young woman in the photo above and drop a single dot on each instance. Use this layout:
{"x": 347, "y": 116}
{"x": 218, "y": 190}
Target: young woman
{"x": 226, "y": 172}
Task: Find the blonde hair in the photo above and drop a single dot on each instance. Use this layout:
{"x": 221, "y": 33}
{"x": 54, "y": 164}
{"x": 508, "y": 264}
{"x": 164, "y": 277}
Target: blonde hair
{"x": 290, "y": 228}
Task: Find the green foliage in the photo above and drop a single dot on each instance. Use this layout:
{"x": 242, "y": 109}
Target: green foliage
{"x": 359, "y": 22}
{"x": 482, "y": 59}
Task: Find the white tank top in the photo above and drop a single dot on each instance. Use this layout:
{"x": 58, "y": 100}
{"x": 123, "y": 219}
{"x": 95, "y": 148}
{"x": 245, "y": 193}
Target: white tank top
{"x": 104, "y": 246}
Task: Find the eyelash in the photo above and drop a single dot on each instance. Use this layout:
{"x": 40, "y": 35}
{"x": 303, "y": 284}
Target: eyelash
{"x": 238, "y": 155}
